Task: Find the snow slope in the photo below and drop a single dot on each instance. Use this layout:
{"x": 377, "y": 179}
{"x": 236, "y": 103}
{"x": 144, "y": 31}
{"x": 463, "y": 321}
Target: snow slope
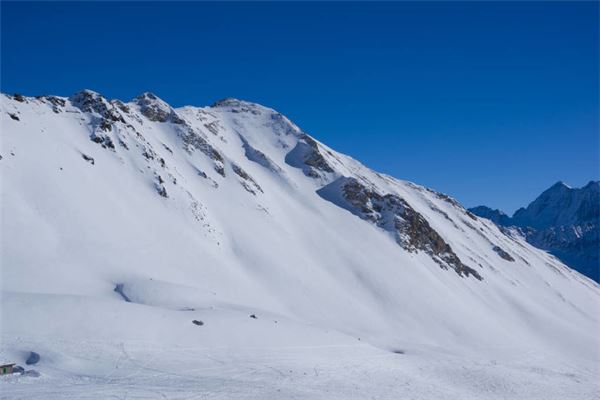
{"x": 124, "y": 222}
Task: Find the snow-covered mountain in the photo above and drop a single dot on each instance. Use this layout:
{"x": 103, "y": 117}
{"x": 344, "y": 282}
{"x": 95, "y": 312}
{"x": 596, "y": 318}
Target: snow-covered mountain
{"x": 221, "y": 251}
{"x": 562, "y": 220}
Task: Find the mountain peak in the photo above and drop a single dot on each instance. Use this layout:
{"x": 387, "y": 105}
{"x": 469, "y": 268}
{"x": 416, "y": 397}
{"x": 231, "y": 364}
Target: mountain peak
{"x": 89, "y": 101}
{"x": 237, "y": 105}
{"x": 156, "y": 109}
{"x": 559, "y": 185}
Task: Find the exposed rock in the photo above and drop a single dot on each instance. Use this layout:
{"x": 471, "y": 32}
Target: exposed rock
{"x": 197, "y": 322}
{"x": 502, "y": 253}
{"x": 157, "y": 110}
{"x": 92, "y": 102}
{"x": 57, "y": 103}
{"x": 14, "y": 116}
{"x": 161, "y": 190}
{"x": 471, "y": 215}
{"x": 393, "y": 214}
{"x": 195, "y": 141}
{"x": 306, "y": 155}
{"x": 88, "y": 158}
{"x": 237, "y": 106}
{"x": 104, "y": 140}
{"x": 19, "y": 97}
{"x": 121, "y": 106}
{"x": 249, "y": 184}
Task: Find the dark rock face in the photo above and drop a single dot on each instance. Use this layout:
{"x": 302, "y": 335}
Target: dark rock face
{"x": 103, "y": 140}
{"x": 562, "y": 220}
{"x": 502, "y": 253}
{"x": 307, "y": 156}
{"x": 92, "y": 102}
{"x": 248, "y": 183}
{"x": 193, "y": 140}
{"x": 156, "y": 110}
{"x": 393, "y": 214}
{"x": 56, "y": 102}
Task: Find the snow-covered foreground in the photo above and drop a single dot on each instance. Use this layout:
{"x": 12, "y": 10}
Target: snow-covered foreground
{"x": 233, "y": 356}
{"x": 220, "y": 252}
{"x": 134, "y": 370}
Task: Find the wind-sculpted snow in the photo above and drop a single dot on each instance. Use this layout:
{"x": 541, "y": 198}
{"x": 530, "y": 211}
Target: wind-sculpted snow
{"x": 221, "y": 250}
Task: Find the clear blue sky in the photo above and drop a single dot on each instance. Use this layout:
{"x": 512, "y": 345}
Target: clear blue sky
{"x": 489, "y": 102}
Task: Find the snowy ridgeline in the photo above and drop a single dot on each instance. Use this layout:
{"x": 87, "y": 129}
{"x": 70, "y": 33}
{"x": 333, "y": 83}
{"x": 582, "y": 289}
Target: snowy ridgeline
{"x": 562, "y": 220}
{"x": 155, "y": 252}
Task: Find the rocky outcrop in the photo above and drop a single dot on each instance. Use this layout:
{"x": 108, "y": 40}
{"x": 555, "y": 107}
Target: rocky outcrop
{"x": 247, "y": 181}
{"x": 307, "y": 156}
{"x": 393, "y": 214}
{"x": 89, "y": 101}
{"x": 157, "y": 110}
{"x": 502, "y": 253}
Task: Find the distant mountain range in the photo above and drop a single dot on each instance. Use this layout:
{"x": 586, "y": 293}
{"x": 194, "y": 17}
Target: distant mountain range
{"x": 562, "y": 221}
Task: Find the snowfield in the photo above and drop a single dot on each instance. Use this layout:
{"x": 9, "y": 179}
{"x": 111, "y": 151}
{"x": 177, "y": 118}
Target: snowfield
{"x": 149, "y": 252}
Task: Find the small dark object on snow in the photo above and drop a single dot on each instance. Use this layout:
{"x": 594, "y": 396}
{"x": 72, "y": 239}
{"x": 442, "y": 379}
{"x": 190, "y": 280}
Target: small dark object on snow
{"x": 196, "y": 322}
{"x": 253, "y": 316}
{"x": 398, "y": 351}
{"x": 162, "y": 191}
{"x": 88, "y": 158}
{"x": 33, "y": 358}
{"x": 19, "y": 97}
{"x": 14, "y": 116}
{"x": 17, "y": 369}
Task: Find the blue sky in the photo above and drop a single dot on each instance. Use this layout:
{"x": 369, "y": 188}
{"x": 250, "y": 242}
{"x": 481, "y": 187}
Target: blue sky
{"x": 489, "y": 102}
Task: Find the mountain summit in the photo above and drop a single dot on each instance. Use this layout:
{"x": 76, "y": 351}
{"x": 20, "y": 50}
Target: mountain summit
{"x": 223, "y": 250}
{"x": 562, "y": 220}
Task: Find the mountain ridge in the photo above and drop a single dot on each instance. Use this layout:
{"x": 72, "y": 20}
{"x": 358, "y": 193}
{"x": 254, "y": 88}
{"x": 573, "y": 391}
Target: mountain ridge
{"x": 133, "y": 222}
{"x": 563, "y": 220}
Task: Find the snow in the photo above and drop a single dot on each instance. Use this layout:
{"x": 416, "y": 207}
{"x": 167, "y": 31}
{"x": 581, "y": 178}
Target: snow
{"x": 334, "y": 295}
